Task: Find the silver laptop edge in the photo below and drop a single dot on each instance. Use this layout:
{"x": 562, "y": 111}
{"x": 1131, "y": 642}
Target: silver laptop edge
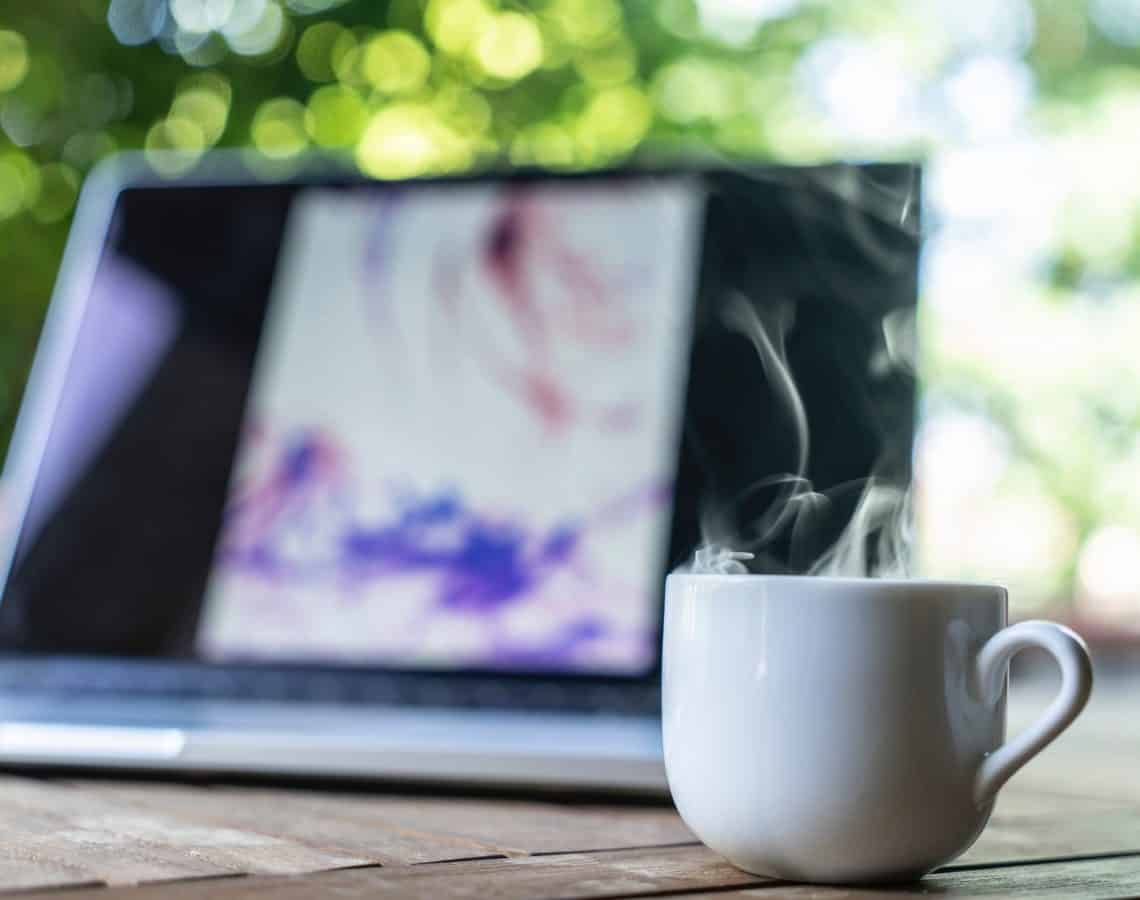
{"x": 455, "y": 747}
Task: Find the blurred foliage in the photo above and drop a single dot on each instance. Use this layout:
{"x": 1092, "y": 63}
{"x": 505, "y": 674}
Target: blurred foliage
{"x": 1027, "y": 111}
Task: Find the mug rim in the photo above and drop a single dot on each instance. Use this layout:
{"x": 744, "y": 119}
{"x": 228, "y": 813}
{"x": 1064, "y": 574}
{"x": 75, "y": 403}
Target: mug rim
{"x": 840, "y": 579}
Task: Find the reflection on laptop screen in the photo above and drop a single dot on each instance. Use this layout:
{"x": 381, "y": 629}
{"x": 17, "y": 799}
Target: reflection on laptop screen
{"x": 462, "y": 430}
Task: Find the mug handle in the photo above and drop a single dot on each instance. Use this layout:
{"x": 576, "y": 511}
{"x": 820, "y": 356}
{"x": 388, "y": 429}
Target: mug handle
{"x": 1071, "y": 654}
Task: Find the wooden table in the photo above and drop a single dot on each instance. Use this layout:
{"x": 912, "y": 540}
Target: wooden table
{"x": 1067, "y": 826}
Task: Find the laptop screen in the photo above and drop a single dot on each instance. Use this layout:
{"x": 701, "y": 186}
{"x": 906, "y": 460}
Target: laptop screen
{"x": 462, "y": 430}
{"x": 437, "y": 426}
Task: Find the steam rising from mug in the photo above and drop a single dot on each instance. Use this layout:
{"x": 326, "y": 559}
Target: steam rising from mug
{"x": 877, "y": 538}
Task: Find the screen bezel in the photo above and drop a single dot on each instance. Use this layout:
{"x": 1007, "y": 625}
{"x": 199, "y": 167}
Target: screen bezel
{"x": 85, "y": 247}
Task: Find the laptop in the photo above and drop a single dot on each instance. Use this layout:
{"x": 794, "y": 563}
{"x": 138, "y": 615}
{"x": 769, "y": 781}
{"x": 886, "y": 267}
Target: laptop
{"x": 323, "y": 476}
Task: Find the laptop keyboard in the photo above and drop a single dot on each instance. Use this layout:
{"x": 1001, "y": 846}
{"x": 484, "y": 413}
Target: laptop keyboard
{"x": 381, "y": 689}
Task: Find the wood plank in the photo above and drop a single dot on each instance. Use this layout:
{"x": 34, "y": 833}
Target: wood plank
{"x": 181, "y": 839}
{"x": 52, "y": 834}
{"x": 1098, "y": 879}
{"x": 1029, "y": 826}
{"x": 519, "y": 828}
{"x": 586, "y": 876}
{"x": 1085, "y": 772}
{"x": 1093, "y": 758}
{"x": 333, "y": 823}
{"x": 671, "y": 871}
{"x": 1026, "y": 825}
{"x": 395, "y": 829}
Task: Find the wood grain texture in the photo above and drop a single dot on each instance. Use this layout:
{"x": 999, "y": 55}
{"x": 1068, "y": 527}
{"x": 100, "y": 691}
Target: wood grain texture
{"x": 329, "y": 823}
{"x": 123, "y": 833}
{"x": 391, "y": 829}
{"x": 684, "y": 873}
{"x": 1030, "y": 826}
{"x": 53, "y": 834}
{"x": 1100, "y": 879}
{"x": 587, "y": 876}
{"x": 1096, "y": 757}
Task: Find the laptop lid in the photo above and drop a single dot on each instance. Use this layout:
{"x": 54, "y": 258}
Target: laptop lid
{"x": 453, "y": 426}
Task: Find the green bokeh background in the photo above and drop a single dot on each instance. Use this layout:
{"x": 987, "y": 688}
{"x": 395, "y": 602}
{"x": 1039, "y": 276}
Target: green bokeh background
{"x": 1028, "y": 112}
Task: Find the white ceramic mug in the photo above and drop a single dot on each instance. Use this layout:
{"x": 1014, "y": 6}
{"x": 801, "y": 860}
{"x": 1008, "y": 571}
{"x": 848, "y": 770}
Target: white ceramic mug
{"x": 842, "y": 729}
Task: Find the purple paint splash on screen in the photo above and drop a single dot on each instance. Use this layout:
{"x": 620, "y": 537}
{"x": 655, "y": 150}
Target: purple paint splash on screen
{"x": 487, "y": 564}
{"x": 478, "y": 564}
